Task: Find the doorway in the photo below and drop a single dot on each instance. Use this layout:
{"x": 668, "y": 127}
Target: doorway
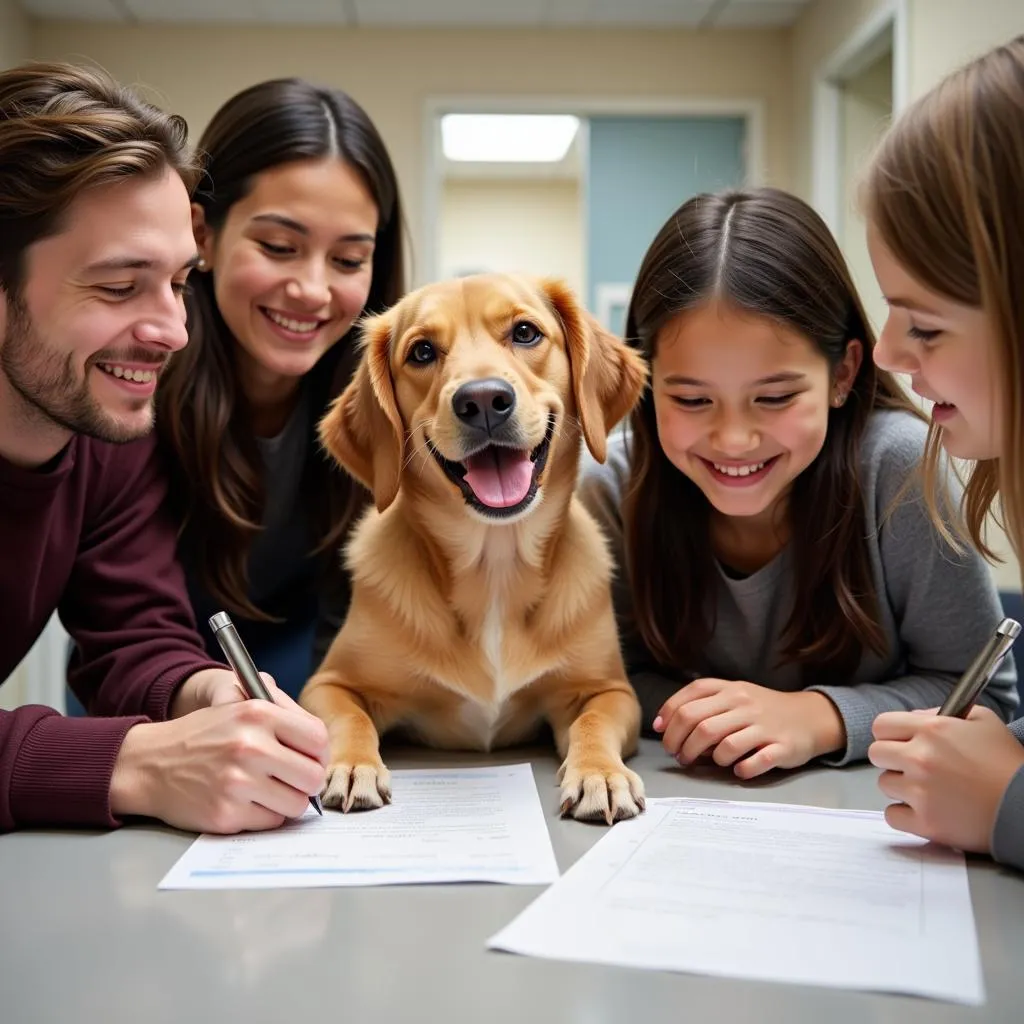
{"x": 857, "y": 92}
{"x": 586, "y": 214}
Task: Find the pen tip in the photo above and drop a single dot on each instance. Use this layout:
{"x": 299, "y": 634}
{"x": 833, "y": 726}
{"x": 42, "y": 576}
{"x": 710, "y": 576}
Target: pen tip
{"x": 316, "y": 805}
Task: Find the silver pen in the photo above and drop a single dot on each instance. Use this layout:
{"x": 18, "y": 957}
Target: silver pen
{"x": 241, "y": 661}
{"x": 980, "y": 671}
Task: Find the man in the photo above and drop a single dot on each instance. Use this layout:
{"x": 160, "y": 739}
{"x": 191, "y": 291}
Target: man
{"x": 95, "y": 248}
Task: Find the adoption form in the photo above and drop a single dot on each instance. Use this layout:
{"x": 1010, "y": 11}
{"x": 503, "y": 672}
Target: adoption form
{"x": 451, "y": 825}
{"x": 774, "y": 892}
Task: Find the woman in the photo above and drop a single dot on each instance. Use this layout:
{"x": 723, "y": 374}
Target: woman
{"x": 298, "y": 223}
{"x": 946, "y": 236}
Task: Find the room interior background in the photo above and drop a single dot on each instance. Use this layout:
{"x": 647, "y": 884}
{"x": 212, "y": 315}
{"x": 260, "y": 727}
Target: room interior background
{"x": 671, "y": 96}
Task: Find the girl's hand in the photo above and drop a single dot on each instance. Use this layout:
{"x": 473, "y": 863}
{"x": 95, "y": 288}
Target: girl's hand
{"x": 949, "y": 774}
{"x": 737, "y": 719}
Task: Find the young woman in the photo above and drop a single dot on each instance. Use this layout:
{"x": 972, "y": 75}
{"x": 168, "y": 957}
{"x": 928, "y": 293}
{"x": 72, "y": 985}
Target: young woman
{"x": 774, "y": 595}
{"x": 946, "y": 234}
{"x": 298, "y": 222}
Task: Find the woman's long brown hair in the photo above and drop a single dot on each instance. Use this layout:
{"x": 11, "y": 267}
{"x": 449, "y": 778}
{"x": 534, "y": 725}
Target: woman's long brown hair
{"x": 202, "y": 414}
{"x": 944, "y": 193}
{"x": 776, "y": 259}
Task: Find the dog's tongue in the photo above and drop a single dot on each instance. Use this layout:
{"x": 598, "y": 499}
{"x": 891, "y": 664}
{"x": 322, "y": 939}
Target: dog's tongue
{"x": 499, "y": 477}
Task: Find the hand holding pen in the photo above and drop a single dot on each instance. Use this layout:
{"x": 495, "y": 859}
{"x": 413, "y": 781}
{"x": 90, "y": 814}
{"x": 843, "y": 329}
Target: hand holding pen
{"x": 946, "y": 774}
{"x": 245, "y": 669}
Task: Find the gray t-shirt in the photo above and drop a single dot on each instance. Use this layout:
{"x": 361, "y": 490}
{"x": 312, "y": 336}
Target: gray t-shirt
{"x": 280, "y": 550}
{"x": 937, "y": 608}
{"x": 281, "y": 560}
{"x": 285, "y": 573}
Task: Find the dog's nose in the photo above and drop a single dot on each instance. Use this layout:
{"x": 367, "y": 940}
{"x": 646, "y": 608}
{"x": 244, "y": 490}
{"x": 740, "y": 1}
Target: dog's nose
{"x": 484, "y": 404}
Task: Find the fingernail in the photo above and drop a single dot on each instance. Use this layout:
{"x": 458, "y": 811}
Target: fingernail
{"x": 658, "y": 724}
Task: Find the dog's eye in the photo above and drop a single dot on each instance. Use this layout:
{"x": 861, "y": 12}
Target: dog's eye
{"x": 524, "y": 333}
{"x": 422, "y": 352}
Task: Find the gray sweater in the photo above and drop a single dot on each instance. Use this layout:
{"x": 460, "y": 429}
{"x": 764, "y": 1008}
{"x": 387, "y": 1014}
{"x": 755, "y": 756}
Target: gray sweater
{"x": 937, "y": 608}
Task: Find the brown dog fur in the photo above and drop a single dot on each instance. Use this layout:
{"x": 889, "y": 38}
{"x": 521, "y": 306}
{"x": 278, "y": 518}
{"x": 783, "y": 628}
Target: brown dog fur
{"x": 466, "y": 631}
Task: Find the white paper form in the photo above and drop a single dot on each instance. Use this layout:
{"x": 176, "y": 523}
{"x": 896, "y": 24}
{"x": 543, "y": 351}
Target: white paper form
{"x": 452, "y": 825}
{"x": 773, "y": 892}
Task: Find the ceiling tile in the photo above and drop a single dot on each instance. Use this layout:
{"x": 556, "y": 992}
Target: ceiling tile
{"x": 84, "y": 10}
{"x": 299, "y": 12}
{"x": 413, "y": 13}
{"x": 449, "y": 12}
{"x": 296, "y": 12}
{"x": 678, "y": 13}
{"x": 757, "y": 13}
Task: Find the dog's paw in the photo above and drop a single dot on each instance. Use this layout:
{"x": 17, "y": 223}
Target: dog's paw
{"x": 600, "y": 790}
{"x": 357, "y": 787}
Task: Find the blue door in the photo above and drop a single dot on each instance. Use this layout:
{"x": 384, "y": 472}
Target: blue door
{"x": 638, "y": 171}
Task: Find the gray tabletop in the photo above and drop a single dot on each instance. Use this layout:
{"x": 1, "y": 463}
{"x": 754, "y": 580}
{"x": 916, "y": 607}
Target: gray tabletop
{"x": 85, "y": 936}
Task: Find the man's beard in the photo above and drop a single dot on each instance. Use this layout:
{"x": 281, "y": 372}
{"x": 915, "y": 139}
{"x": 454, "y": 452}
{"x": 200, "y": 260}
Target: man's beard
{"x": 45, "y": 379}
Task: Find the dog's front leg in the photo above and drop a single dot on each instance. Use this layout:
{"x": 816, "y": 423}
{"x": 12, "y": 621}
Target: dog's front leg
{"x": 594, "y": 733}
{"x": 356, "y": 776}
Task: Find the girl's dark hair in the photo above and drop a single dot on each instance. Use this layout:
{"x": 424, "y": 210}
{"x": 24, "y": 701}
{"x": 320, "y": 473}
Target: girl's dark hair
{"x": 202, "y": 414}
{"x": 763, "y": 252}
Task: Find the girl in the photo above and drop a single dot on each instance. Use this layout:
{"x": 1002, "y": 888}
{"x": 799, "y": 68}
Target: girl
{"x": 298, "y": 223}
{"x": 946, "y": 236}
{"x": 765, "y": 557}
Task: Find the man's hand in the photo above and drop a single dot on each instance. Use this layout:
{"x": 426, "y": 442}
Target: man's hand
{"x": 224, "y": 763}
{"x": 210, "y": 687}
{"x": 215, "y": 686}
{"x": 948, "y": 774}
{"x": 735, "y": 719}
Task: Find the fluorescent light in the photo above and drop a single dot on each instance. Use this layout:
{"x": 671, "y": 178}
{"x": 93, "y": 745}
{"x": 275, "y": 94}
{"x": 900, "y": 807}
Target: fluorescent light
{"x": 508, "y": 138}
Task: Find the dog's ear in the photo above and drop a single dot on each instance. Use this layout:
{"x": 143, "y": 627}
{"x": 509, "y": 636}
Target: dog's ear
{"x": 608, "y": 376}
{"x": 363, "y": 429}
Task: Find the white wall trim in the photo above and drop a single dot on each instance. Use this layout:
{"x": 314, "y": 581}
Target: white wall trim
{"x": 44, "y": 670}
{"x": 900, "y": 56}
{"x": 584, "y": 200}
{"x": 608, "y": 295}
{"x": 860, "y": 49}
{"x": 825, "y": 153}
{"x": 751, "y": 110}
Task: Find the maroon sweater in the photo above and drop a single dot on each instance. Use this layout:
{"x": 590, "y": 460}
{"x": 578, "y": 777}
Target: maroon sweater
{"x": 87, "y": 537}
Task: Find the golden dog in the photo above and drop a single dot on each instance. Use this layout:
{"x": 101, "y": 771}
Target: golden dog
{"x": 481, "y": 603}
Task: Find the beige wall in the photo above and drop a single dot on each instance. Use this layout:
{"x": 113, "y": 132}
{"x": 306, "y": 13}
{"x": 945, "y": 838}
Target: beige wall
{"x": 15, "y": 34}
{"x": 12, "y": 692}
{"x": 392, "y": 73}
{"x": 946, "y": 33}
{"x": 526, "y": 226}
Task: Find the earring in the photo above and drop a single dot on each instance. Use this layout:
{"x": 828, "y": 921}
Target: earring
{"x": 839, "y": 399}
{"x": 201, "y": 265}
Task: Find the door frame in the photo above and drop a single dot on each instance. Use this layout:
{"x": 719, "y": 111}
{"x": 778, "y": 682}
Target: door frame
{"x": 751, "y": 111}
{"x": 868, "y": 41}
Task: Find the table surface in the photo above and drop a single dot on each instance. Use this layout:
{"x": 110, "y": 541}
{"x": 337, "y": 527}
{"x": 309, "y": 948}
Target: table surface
{"x": 86, "y": 937}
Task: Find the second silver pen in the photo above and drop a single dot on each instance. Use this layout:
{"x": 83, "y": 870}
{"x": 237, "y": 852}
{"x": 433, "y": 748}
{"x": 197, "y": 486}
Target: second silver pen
{"x": 980, "y": 672}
